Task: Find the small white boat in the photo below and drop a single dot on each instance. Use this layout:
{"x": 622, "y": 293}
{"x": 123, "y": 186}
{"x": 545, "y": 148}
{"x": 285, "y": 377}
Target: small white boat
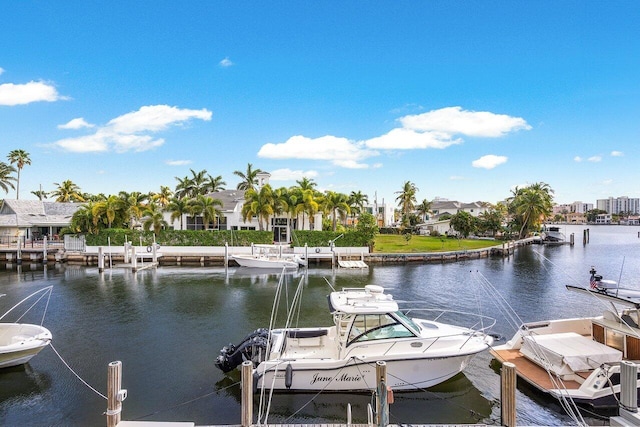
{"x": 19, "y": 342}
{"x": 580, "y": 358}
{"x": 368, "y": 328}
{"x": 268, "y": 256}
{"x": 552, "y": 235}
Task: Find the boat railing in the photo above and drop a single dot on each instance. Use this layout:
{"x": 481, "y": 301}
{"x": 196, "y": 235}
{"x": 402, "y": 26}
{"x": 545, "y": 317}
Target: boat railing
{"x": 477, "y": 321}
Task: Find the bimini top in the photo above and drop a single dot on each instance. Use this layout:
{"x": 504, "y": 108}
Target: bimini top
{"x": 370, "y": 300}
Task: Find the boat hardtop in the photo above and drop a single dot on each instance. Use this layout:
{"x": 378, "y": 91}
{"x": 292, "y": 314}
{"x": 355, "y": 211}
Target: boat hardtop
{"x": 371, "y": 299}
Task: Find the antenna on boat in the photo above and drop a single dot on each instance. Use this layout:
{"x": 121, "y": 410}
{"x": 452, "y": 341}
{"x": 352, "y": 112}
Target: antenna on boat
{"x": 620, "y": 277}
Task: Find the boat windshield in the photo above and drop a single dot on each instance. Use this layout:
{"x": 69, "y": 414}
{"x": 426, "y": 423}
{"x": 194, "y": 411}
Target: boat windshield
{"x": 406, "y": 319}
{"x": 367, "y": 327}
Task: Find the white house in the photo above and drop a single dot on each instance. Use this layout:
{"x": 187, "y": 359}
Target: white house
{"x": 34, "y": 219}
{"x": 439, "y": 207}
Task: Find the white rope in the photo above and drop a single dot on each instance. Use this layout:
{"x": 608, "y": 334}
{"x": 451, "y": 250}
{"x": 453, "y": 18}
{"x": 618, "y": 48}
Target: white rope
{"x": 74, "y": 373}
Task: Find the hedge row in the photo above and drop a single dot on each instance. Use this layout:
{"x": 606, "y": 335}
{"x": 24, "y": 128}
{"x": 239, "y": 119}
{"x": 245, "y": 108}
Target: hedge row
{"x": 117, "y": 237}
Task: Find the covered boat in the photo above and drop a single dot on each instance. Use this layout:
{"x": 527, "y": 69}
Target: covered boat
{"x": 579, "y": 358}
{"x": 368, "y": 327}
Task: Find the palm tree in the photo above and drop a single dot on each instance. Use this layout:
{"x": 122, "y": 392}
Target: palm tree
{"x": 178, "y": 208}
{"x": 357, "y": 200}
{"x": 307, "y": 203}
{"x": 424, "y": 208}
{"x": 66, "y": 192}
{"x": 258, "y": 203}
{"x": 163, "y": 197}
{"x": 406, "y": 200}
{"x": 133, "y": 205}
{"x": 207, "y": 207}
{"x": 82, "y": 220}
{"x": 530, "y": 205}
{"x": 336, "y": 204}
{"x": 109, "y": 210}
{"x": 6, "y": 177}
{"x": 306, "y": 184}
{"x": 40, "y": 194}
{"x": 214, "y": 185}
{"x": 153, "y": 218}
{"x": 248, "y": 179}
{"x": 20, "y": 158}
{"x": 183, "y": 187}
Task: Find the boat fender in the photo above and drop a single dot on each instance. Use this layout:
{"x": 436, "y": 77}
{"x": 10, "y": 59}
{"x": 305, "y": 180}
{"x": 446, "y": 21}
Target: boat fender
{"x": 149, "y": 248}
{"x": 317, "y": 250}
{"x": 288, "y": 376}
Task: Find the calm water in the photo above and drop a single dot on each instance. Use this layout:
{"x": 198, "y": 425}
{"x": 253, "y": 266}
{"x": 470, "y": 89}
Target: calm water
{"x": 168, "y": 325}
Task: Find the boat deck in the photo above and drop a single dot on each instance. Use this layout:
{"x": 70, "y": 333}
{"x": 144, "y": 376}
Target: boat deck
{"x": 531, "y": 372}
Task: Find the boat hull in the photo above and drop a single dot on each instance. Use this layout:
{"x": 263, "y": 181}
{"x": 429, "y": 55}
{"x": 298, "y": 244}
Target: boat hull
{"x": 358, "y": 375}
{"x": 257, "y": 262}
{"x": 20, "y": 342}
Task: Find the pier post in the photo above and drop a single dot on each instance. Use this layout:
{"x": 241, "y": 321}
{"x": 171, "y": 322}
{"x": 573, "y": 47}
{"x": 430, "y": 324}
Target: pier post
{"x": 44, "y": 250}
{"x": 382, "y": 405}
{"x": 571, "y": 239}
{"x": 134, "y": 258}
{"x": 100, "y": 260}
{"x": 154, "y": 252}
{"x": 115, "y": 395}
{"x": 226, "y": 254}
{"x": 247, "y": 393}
{"x": 508, "y": 394}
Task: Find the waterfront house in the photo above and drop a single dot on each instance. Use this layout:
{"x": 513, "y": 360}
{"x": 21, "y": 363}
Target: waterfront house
{"x": 34, "y": 219}
{"x": 440, "y": 207}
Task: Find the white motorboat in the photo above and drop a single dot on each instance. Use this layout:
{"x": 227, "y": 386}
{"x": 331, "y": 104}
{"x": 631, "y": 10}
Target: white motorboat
{"x": 580, "y": 358}
{"x": 268, "y": 256}
{"x": 368, "y": 327}
{"x": 19, "y": 342}
{"x": 552, "y": 235}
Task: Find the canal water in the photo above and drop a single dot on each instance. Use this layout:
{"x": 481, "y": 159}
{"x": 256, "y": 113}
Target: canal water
{"x": 168, "y": 325}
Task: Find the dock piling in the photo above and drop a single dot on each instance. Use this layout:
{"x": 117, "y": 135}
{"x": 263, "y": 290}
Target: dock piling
{"x": 382, "y": 404}
{"x": 508, "y": 394}
{"x": 115, "y": 395}
{"x": 247, "y": 393}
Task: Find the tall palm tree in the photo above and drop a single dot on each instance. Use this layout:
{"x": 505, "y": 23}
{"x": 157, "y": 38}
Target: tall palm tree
{"x": 20, "y": 158}
{"x": 307, "y": 203}
{"x": 163, "y": 197}
{"x": 336, "y": 204}
{"x": 40, "y": 194}
{"x": 198, "y": 183}
{"x": 249, "y": 179}
{"x": 424, "y": 208}
{"x": 214, "y": 184}
{"x": 178, "y": 208}
{"x": 407, "y": 199}
{"x": 182, "y": 187}
{"x": 6, "y": 176}
{"x": 207, "y": 207}
{"x": 259, "y": 203}
{"x": 67, "y": 191}
{"x": 357, "y": 200}
{"x": 82, "y": 220}
{"x": 530, "y": 205}
{"x": 306, "y": 184}
{"x": 152, "y": 217}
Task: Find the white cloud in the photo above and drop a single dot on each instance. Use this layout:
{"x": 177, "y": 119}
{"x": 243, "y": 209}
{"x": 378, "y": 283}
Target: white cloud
{"x": 577, "y": 159}
{"x": 20, "y": 94}
{"x": 76, "y": 124}
{"x": 607, "y": 182}
{"x": 617, "y": 153}
{"x": 340, "y": 151}
{"x": 456, "y": 178}
{"x": 455, "y": 120}
{"x": 226, "y": 62}
{"x": 436, "y": 129}
{"x": 489, "y": 161}
{"x": 594, "y": 159}
{"x": 129, "y": 132}
{"x": 178, "y": 162}
{"x": 291, "y": 175}
{"x": 408, "y": 139}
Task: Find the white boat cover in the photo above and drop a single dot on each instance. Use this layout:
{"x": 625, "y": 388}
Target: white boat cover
{"x": 569, "y": 352}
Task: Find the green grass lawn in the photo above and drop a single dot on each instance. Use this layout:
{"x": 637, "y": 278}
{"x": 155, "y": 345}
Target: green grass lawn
{"x": 393, "y": 243}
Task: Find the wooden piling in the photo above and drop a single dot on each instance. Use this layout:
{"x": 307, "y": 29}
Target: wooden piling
{"x": 44, "y": 250}
{"x": 508, "y": 394}
{"x": 247, "y": 393}
{"x": 114, "y": 404}
{"x": 382, "y": 405}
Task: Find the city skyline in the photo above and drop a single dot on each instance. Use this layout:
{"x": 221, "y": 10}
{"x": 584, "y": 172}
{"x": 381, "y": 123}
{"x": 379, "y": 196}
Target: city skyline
{"x": 465, "y": 100}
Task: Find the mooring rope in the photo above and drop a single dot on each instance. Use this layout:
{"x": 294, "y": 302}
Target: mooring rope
{"x": 74, "y": 373}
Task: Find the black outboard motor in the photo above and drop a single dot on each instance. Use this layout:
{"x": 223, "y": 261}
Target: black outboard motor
{"x": 254, "y": 345}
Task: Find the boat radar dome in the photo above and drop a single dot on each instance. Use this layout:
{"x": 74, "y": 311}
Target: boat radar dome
{"x": 374, "y": 289}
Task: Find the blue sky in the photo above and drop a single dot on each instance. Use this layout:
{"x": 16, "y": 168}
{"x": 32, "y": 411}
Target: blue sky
{"x": 465, "y": 99}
